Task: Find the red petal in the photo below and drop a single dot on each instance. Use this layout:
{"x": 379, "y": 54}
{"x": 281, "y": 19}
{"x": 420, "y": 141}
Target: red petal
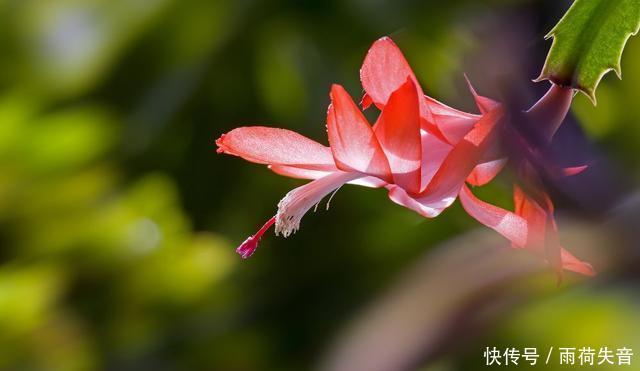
{"x": 265, "y": 145}
{"x": 366, "y": 101}
{"x": 486, "y": 171}
{"x": 535, "y": 216}
{"x": 383, "y": 71}
{"x": 353, "y": 142}
{"x": 511, "y": 226}
{"x": 543, "y": 232}
{"x": 571, "y": 263}
{"x": 462, "y": 159}
{"x": 385, "y": 68}
{"x": 398, "y": 131}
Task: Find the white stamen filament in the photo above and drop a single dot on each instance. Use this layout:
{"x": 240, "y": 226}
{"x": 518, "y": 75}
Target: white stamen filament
{"x": 298, "y": 201}
{"x": 331, "y": 197}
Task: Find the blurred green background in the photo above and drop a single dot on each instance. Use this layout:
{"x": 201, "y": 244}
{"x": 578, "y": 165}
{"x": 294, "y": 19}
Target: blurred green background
{"x": 118, "y": 221}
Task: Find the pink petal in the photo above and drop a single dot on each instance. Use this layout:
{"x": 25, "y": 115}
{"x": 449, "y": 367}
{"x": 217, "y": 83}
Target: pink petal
{"x": 484, "y": 104}
{"x": 535, "y": 216}
{"x": 462, "y": 159}
{"x": 458, "y": 163}
{"x": 513, "y": 227}
{"x": 295, "y": 172}
{"x": 429, "y": 207}
{"x": 369, "y": 181}
{"x": 299, "y": 173}
{"x": 398, "y": 131}
{"x": 353, "y": 142}
{"x": 383, "y": 71}
{"x": 366, "y": 101}
{"x": 455, "y": 124}
{"x": 574, "y": 170}
{"x": 523, "y": 228}
{"x": 434, "y": 152}
{"x": 265, "y": 145}
{"x": 452, "y": 126}
{"x": 573, "y": 264}
{"x": 543, "y": 231}
{"x": 385, "y": 68}
{"x": 486, "y": 171}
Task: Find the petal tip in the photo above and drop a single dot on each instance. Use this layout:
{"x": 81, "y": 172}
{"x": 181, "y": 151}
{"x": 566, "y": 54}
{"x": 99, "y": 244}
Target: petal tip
{"x": 220, "y": 143}
{"x": 336, "y": 88}
{"x": 574, "y": 170}
{"x": 383, "y": 39}
{"x": 366, "y": 101}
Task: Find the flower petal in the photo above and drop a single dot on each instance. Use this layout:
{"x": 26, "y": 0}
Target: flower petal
{"x": 574, "y": 170}
{"x": 299, "y": 173}
{"x": 398, "y": 131}
{"x": 434, "y": 152}
{"x": 573, "y": 264}
{"x": 266, "y": 145}
{"x": 427, "y": 207}
{"x": 462, "y": 159}
{"x": 543, "y": 231}
{"x": 486, "y": 171}
{"x": 484, "y": 104}
{"x": 535, "y": 216}
{"x": 385, "y": 68}
{"x": 521, "y": 231}
{"x": 296, "y": 172}
{"x": 383, "y": 71}
{"x": 513, "y": 227}
{"x": 353, "y": 142}
{"x": 452, "y": 125}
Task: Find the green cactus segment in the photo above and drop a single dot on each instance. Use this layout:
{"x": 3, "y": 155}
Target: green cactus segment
{"x": 588, "y": 42}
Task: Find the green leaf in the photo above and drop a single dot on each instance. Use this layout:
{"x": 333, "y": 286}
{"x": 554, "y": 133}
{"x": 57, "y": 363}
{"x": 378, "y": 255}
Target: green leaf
{"x": 588, "y": 42}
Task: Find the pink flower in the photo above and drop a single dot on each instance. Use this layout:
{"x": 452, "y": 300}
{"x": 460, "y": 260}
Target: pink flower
{"x": 401, "y": 152}
{"x": 421, "y": 150}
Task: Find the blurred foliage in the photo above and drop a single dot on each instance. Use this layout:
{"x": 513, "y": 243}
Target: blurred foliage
{"x": 614, "y": 121}
{"x": 118, "y": 220}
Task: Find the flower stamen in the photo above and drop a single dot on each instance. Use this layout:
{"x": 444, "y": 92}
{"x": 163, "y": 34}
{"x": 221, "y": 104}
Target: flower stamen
{"x": 300, "y": 200}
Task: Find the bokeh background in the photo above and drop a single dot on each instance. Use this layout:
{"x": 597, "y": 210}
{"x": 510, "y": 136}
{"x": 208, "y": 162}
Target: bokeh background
{"x": 118, "y": 221}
